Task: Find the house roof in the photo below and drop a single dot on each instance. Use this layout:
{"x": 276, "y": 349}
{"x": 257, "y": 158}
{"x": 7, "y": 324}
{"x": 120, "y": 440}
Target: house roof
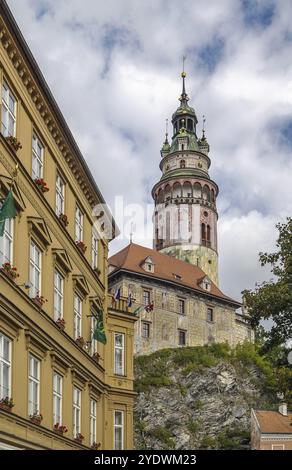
{"x": 273, "y": 422}
{"x": 167, "y": 268}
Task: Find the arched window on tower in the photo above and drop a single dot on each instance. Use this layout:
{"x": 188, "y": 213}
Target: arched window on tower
{"x": 203, "y": 235}
{"x": 182, "y": 163}
{"x": 212, "y": 195}
{"x": 208, "y": 235}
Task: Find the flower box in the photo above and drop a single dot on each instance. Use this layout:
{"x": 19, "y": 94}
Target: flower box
{"x": 60, "y": 429}
{"x": 61, "y": 323}
{"x": 80, "y": 341}
{"x": 36, "y": 419}
{"x": 39, "y": 300}
{"x": 10, "y": 271}
{"x": 13, "y": 142}
{"x": 42, "y": 185}
{"x": 79, "y": 438}
{"x": 81, "y": 246}
{"x": 6, "y": 404}
{"x": 96, "y": 356}
{"x": 96, "y": 446}
{"x": 64, "y": 219}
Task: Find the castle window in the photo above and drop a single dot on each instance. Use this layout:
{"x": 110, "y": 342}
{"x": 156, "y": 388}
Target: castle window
{"x": 33, "y": 386}
{"x": 57, "y": 398}
{"x": 118, "y": 430}
{"x": 37, "y": 157}
{"x": 119, "y": 353}
{"x": 6, "y": 242}
{"x": 145, "y": 330}
{"x": 182, "y": 337}
{"x": 181, "y": 306}
{"x": 78, "y": 224}
{"x": 208, "y": 235}
{"x": 5, "y": 366}
{"x": 77, "y": 316}
{"x": 182, "y": 162}
{"x": 203, "y": 234}
{"x": 8, "y": 112}
{"x": 60, "y": 196}
{"x": 210, "y": 314}
{"x": 35, "y": 270}
{"x": 76, "y": 411}
{"x": 146, "y": 297}
{"x": 58, "y": 295}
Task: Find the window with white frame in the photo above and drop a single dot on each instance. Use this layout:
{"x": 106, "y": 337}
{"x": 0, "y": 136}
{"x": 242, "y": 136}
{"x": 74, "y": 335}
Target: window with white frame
{"x": 6, "y": 242}
{"x": 58, "y": 295}
{"x": 57, "y": 398}
{"x": 76, "y": 411}
{"x": 35, "y": 269}
{"x": 93, "y": 324}
{"x": 37, "y": 157}
{"x": 94, "y": 249}
{"x": 118, "y": 430}
{"x": 5, "y": 366}
{"x": 60, "y": 196}
{"x": 33, "y": 386}
{"x": 78, "y": 224}
{"x": 93, "y": 408}
{"x": 119, "y": 353}
{"x": 77, "y": 316}
{"x": 8, "y": 118}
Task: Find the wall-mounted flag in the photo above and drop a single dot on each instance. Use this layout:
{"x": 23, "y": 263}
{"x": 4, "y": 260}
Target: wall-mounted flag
{"x": 7, "y": 211}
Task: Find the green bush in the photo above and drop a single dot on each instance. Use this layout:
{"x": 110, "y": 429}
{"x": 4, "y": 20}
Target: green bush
{"x": 194, "y": 427}
{"x": 164, "y": 436}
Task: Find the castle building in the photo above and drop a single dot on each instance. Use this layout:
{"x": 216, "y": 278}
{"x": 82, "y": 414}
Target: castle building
{"x": 179, "y": 305}
{"x": 60, "y": 388}
{"x": 176, "y": 282}
{"x": 185, "y": 219}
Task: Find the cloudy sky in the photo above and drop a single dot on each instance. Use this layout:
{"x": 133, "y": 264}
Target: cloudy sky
{"x": 114, "y": 68}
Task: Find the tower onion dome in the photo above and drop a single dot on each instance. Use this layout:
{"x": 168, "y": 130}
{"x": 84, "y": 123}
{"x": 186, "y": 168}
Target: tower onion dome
{"x": 185, "y": 116}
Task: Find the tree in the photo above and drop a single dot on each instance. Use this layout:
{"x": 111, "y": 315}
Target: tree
{"x": 273, "y": 300}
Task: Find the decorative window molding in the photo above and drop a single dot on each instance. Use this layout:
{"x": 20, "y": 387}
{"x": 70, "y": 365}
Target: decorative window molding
{"x": 148, "y": 265}
{"x": 80, "y": 285}
{"x": 38, "y": 228}
{"x": 62, "y": 261}
{"x": 60, "y": 362}
{"x": 5, "y": 185}
{"x": 35, "y": 343}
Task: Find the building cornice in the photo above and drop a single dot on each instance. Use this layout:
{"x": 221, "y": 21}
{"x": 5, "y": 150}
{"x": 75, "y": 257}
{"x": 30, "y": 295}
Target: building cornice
{"x": 32, "y": 78}
{"x": 198, "y": 292}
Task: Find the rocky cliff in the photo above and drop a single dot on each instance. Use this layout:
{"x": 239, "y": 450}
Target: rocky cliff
{"x": 200, "y": 398}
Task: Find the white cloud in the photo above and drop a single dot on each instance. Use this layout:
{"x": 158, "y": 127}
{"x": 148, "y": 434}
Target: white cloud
{"x": 114, "y": 69}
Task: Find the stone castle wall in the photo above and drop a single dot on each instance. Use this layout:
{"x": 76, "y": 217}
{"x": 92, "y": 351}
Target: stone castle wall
{"x": 165, "y": 320}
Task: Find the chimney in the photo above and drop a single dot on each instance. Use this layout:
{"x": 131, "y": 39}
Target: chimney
{"x": 283, "y": 409}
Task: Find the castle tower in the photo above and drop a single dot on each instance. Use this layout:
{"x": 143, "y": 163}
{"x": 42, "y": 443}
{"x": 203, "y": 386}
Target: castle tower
{"x": 185, "y": 216}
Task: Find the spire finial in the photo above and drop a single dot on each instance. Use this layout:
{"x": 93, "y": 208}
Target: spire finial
{"x": 204, "y": 120}
{"x": 184, "y": 97}
{"x": 166, "y": 130}
{"x": 131, "y": 233}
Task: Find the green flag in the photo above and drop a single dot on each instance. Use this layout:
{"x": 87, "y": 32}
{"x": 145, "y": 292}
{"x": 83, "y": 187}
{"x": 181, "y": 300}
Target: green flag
{"x": 7, "y": 211}
{"x": 99, "y": 333}
{"x": 138, "y": 309}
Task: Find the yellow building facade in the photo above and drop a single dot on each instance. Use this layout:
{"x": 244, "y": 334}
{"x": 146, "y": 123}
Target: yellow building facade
{"x": 59, "y": 387}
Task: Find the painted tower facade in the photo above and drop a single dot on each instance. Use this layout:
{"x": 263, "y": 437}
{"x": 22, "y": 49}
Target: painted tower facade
{"x": 185, "y": 216}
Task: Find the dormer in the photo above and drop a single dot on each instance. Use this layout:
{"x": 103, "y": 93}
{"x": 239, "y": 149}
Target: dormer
{"x": 205, "y": 283}
{"x": 148, "y": 265}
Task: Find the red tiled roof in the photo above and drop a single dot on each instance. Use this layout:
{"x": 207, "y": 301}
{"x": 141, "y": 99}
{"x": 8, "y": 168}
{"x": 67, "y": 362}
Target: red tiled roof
{"x": 273, "y": 422}
{"x": 166, "y": 268}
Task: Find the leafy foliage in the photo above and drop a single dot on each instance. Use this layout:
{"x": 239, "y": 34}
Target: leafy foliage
{"x": 273, "y": 300}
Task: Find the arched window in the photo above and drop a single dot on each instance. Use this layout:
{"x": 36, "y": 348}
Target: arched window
{"x": 176, "y": 190}
{"x": 197, "y": 190}
{"x": 208, "y": 235}
{"x": 182, "y": 163}
{"x": 212, "y": 195}
{"x": 203, "y": 234}
{"x": 206, "y": 193}
{"x": 187, "y": 189}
